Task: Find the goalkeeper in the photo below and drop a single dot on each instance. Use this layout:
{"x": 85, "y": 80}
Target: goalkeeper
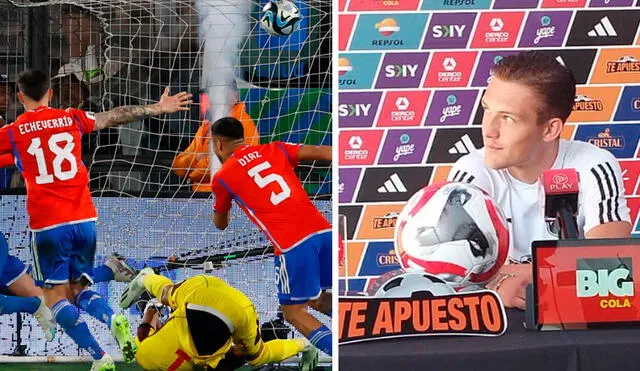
{"x": 209, "y": 318}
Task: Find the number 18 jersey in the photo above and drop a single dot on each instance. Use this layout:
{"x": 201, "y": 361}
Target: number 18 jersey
{"x": 262, "y": 181}
{"x": 45, "y": 143}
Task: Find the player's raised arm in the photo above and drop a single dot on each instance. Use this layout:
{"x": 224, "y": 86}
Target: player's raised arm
{"x": 311, "y": 153}
{"x": 125, "y": 114}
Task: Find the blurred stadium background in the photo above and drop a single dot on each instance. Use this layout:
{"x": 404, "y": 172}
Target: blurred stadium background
{"x": 112, "y": 53}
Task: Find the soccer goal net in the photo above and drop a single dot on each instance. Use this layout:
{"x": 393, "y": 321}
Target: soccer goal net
{"x": 153, "y": 210}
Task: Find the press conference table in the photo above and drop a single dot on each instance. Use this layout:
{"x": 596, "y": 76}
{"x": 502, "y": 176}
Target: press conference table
{"x": 516, "y": 350}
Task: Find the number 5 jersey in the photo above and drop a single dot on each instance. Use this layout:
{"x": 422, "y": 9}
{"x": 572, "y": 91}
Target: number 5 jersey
{"x": 45, "y": 144}
{"x": 262, "y": 181}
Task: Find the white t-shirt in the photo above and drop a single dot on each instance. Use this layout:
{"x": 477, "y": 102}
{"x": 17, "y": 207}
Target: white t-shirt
{"x": 601, "y": 198}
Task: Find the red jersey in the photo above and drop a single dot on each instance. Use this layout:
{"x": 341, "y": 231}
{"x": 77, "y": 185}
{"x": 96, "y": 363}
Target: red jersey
{"x": 262, "y": 181}
{"x": 45, "y": 143}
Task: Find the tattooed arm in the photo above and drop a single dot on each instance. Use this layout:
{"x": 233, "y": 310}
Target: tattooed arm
{"x": 125, "y": 114}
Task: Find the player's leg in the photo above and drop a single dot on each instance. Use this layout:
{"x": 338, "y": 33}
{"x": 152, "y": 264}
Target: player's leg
{"x": 11, "y": 269}
{"x": 114, "y": 268}
{"x": 323, "y": 304}
{"x": 161, "y": 351}
{"x": 248, "y": 342}
{"x": 51, "y": 254}
{"x": 298, "y": 275}
{"x": 147, "y": 280}
{"x": 81, "y": 271}
{"x": 29, "y": 297}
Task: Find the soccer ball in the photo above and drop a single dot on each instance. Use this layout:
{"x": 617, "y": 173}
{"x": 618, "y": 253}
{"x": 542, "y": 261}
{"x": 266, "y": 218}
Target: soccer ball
{"x": 405, "y": 284}
{"x": 453, "y": 231}
{"x": 280, "y": 17}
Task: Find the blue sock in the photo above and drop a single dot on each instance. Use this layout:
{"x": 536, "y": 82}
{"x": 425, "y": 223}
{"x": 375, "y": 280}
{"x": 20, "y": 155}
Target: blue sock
{"x": 95, "y": 305}
{"x": 18, "y": 304}
{"x": 102, "y": 274}
{"x": 322, "y": 339}
{"x": 68, "y": 317}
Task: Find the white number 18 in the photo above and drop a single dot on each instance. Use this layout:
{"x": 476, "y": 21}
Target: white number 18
{"x": 262, "y": 182}
{"x": 62, "y": 153}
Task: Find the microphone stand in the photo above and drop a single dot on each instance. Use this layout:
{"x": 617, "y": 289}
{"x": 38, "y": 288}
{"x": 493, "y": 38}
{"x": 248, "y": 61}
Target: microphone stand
{"x": 567, "y": 222}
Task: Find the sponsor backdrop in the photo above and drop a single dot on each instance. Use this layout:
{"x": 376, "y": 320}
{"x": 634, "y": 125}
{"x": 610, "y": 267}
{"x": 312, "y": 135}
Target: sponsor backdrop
{"x": 411, "y": 76}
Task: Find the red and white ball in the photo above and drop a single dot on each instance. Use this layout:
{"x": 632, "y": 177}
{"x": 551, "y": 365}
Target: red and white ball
{"x": 454, "y": 231}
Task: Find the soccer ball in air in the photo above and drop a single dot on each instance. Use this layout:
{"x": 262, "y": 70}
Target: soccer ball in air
{"x": 454, "y": 231}
{"x": 280, "y": 17}
{"x": 406, "y": 284}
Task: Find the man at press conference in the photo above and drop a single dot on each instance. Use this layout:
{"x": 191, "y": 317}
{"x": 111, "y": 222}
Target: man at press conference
{"x": 526, "y": 104}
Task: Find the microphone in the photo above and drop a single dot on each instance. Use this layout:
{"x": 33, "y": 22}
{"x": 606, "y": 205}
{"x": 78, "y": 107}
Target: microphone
{"x": 561, "y": 188}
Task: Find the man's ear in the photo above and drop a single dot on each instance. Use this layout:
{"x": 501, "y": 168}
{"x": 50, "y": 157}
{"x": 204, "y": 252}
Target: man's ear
{"x": 553, "y": 129}
{"x": 50, "y": 95}
{"x": 20, "y": 97}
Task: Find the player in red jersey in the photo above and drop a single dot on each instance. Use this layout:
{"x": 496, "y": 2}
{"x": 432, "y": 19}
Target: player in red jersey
{"x": 45, "y": 143}
{"x": 262, "y": 181}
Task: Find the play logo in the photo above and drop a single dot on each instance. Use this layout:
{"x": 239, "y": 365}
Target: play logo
{"x": 497, "y": 30}
{"x": 545, "y": 29}
{"x": 450, "y": 69}
{"x": 402, "y": 70}
{"x": 358, "y": 109}
{"x": 451, "y": 107}
{"x": 449, "y": 31}
{"x": 403, "y": 108}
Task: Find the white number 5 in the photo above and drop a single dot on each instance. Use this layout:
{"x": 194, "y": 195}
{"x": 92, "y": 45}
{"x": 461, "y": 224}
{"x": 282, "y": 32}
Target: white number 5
{"x": 262, "y": 182}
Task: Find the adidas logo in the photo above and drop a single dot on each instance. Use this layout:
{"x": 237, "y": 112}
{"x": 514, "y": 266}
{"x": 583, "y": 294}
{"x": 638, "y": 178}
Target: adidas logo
{"x": 462, "y": 146}
{"x": 603, "y": 28}
{"x": 393, "y": 185}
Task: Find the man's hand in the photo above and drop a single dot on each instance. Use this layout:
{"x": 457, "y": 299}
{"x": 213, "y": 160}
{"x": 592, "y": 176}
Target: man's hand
{"x": 511, "y": 283}
{"x": 174, "y": 103}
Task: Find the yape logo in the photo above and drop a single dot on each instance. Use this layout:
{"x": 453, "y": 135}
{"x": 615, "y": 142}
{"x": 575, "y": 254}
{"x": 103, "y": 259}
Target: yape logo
{"x": 610, "y": 281}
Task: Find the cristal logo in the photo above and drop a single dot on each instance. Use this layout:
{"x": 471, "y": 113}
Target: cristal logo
{"x": 546, "y": 30}
{"x": 450, "y": 74}
{"x": 356, "y": 153}
{"x": 354, "y": 110}
{"x": 387, "y": 27}
{"x": 496, "y": 35}
{"x": 344, "y": 66}
{"x": 635, "y": 104}
{"x": 389, "y": 258}
{"x": 402, "y": 114}
{"x": 405, "y": 148}
{"x": 400, "y": 70}
{"x": 448, "y": 31}
{"x": 452, "y": 109}
{"x": 606, "y": 140}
